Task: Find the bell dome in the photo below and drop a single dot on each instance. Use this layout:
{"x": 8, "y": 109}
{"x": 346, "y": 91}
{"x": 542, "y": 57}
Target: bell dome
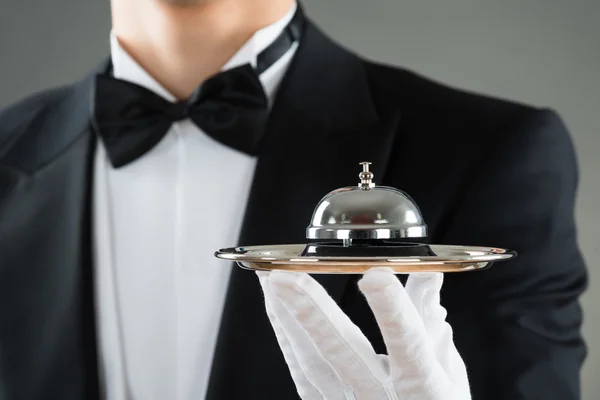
{"x": 366, "y": 211}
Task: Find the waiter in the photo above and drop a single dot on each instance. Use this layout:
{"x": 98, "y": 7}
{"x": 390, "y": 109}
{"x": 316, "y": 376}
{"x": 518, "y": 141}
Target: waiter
{"x": 224, "y": 120}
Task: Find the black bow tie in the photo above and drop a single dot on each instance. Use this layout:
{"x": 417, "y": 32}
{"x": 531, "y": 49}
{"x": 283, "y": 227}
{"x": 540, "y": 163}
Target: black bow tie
{"x": 231, "y": 107}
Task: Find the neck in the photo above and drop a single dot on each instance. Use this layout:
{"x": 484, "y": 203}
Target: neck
{"x": 182, "y": 46}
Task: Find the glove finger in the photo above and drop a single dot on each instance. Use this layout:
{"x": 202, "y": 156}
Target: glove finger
{"x": 424, "y": 290}
{"x": 305, "y": 388}
{"x": 403, "y": 331}
{"x": 337, "y": 339}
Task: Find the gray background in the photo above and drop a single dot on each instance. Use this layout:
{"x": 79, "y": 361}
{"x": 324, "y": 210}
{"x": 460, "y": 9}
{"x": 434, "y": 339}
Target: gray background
{"x": 543, "y": 52}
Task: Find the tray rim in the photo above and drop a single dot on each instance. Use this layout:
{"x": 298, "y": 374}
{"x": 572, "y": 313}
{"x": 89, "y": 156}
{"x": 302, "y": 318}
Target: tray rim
{"x": 491, "y": 254}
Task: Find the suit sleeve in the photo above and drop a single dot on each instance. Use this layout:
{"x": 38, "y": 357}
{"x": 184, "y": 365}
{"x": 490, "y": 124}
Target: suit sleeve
{"x": 517, "y": 325}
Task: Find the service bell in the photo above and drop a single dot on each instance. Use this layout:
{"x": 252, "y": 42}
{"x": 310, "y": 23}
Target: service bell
{"x": 366, "y": 211}
{"x": 358, "y": 227}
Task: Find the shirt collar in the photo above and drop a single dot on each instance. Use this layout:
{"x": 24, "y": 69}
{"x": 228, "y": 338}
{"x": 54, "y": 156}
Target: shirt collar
{"x": 126, "y": 68}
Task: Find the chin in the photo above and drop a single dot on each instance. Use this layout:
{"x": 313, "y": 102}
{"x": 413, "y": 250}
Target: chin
{"x": 186, "y": 3}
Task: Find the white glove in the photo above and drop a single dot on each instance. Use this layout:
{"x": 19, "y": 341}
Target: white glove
{"x": 329, "y": 357}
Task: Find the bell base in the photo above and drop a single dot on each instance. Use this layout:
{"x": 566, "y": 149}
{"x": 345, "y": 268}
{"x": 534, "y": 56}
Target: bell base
{"x": 368, "y": 248}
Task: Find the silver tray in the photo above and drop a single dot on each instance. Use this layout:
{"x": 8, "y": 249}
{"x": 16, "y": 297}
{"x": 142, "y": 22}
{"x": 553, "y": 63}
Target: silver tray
{"x": 286, "y": 257}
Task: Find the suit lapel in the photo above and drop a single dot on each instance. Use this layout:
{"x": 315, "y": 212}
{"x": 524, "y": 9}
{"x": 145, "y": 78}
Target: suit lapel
{"x": 46, "y": 287}
{"x": 322, "y": 125}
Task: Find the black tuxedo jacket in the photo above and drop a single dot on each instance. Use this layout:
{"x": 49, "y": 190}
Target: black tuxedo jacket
{"x": 483, "y": 171}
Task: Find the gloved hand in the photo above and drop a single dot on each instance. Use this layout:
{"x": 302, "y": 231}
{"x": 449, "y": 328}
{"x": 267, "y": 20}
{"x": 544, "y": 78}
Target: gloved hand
{"x": 329, "y": 357}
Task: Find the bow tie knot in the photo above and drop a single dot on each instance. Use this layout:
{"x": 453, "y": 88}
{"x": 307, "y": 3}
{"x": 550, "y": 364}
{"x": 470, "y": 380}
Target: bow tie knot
{"x": 179, "y": 111}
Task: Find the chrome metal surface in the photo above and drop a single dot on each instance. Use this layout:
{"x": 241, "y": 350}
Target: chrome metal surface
{"x": 366, "y": 212}
{"x": 366, "y": 177}
{"x": 286, "y": 257}
{"x": 352, "y": 214}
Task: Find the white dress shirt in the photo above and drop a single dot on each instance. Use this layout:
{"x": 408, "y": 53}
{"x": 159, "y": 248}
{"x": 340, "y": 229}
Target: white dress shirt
{"x": 157, "y": 222}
